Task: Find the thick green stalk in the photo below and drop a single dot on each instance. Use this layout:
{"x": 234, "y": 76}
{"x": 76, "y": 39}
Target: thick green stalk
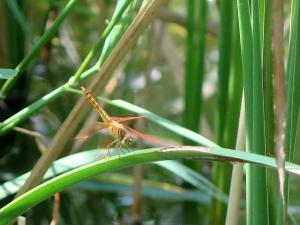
{"x": 196, "y": 11}
{"x": 194, "y": 63}
{"x": 247, "y": 62}
{"x": 256, "y": 192}
{"x": 235, "y": 91}
{"x": 20, "y": 68}
{"x": 222, "y": 172}
{"x": 258, "y": 94}
{"x": 190, "y": 68}
{"x": 258, "y": 212}
{"x": 267, "y": 79}
{"x": 268, "y": 106}
{"x": 190, "y": 118}
{"x": 225, "y": 41}
{"x": 200, "y": 62}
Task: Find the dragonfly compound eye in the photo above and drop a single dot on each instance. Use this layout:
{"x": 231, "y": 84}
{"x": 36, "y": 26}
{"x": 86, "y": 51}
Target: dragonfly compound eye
{"x": 129, "y": 140}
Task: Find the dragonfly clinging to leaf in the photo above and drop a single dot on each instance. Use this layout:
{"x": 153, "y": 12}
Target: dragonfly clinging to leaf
{"x": 114, "y": 125}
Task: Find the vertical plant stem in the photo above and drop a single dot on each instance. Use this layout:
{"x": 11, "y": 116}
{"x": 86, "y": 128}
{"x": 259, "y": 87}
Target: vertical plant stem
{"x": 268, "y": 107}
{"x": 189, "y": 96}
{"x": 267, "y": 74}
{"x": 194, "y": 63}
{"x": 247, "y": 57}
{"x": 200, "y": 62}
{"x": 225, "y": 41}
{"x": 222, "y": 172}
{"x": 256, "y": 191}
{"x": 235, "y": 124}
{"x": 196, "y": 30}
{"x": 279, "y": 104}
{"x": 190, "y": 68}
{"x": 232, "y": 217}
{"x": 259, "y": 194}
{"x": 247, "y": 62}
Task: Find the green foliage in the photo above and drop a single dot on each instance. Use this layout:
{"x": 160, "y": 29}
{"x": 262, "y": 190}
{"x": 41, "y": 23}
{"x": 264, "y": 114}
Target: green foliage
{"x": 59, "y": 183}
{"x": 7, "y": 73}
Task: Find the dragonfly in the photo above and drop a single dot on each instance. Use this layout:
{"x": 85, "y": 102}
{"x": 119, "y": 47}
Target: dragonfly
{"x": 116, "y": 128}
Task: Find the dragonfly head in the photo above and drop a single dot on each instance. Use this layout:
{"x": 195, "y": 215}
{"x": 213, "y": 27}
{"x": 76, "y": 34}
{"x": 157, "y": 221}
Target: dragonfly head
{"x": 128, "y": 140}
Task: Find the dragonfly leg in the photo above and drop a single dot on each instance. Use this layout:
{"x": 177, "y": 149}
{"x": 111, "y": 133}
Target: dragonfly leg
{"x": 127, "y": 148}
{"x": 119, "y": 148}
{"x": 110, "y": 145}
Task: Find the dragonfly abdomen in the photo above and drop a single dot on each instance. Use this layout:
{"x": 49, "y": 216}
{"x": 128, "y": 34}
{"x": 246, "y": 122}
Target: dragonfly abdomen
{"x": 105, "y": 117}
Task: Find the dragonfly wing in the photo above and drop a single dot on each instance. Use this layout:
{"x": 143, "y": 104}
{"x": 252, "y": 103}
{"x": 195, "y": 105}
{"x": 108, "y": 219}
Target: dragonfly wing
{"x": 122, "y": 119}
{"x": 90, "y": 131}
{"x": 141, "y": 135}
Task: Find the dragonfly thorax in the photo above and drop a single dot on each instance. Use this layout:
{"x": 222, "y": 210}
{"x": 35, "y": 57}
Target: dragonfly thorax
{"x": 117, "y": 130}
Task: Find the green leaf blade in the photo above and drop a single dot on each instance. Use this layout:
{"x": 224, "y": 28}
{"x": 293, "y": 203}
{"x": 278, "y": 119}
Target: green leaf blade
{"x": 7, "y": 73}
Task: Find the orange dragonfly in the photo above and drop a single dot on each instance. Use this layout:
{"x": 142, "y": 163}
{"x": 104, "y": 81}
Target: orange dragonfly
{"x": 114, "y": 125}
